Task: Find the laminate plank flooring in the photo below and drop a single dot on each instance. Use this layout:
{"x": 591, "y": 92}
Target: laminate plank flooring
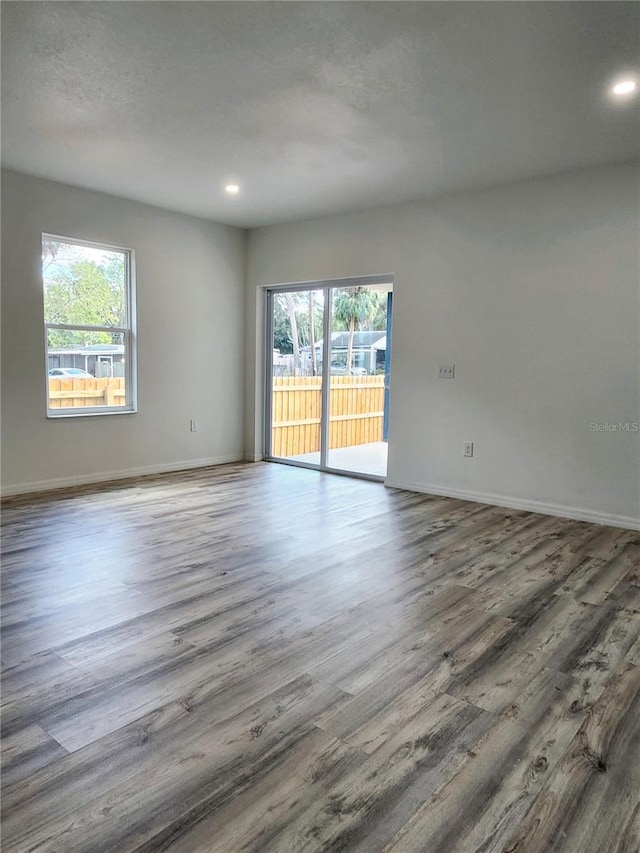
{"x": 264, "y": 658}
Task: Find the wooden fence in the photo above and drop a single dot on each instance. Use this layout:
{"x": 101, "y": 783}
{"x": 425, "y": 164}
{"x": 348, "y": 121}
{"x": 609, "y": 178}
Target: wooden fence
{"x": 74, "y": 393}
{"x": 356, "y": 408}
{"x": 356, "y": 413}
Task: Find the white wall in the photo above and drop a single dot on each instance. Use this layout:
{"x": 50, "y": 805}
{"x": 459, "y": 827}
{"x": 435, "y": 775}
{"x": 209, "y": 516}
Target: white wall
{"x": 190, "y": 297}
{"x": 532, "y": 290}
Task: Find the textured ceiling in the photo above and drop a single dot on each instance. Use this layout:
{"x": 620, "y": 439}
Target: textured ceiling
{"x": 313, "y": 107}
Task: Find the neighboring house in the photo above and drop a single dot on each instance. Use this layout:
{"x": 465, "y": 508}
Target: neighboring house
{"x": 282, "y": 363}
{"x": 98, "y": 359}
{"x": 369, "y": 350}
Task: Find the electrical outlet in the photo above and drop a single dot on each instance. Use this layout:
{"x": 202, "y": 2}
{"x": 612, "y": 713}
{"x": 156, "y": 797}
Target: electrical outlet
{"x": 193, "y": 426}
{"x": 468, "y": 448}
{"x": 446, "y": 371}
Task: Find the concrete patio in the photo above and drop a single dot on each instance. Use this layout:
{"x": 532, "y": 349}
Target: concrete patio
{"x": 368, "y": 459}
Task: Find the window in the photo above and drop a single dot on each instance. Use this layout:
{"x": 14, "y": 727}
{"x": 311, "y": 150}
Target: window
{"x": 89, "y": 314}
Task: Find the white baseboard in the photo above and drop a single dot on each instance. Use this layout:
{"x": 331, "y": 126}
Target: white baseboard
{"x": 560, "y": 510}
{"x": 106, "y": 476}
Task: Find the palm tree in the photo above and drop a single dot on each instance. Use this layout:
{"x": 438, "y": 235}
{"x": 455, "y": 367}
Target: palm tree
{"x": 355, "y": 307}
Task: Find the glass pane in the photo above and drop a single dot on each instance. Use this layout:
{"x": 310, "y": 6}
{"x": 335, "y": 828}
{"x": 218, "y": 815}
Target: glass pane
{"x": 83, "y": 285}
{"x": 296, "y": 392}
{"x": 85, "y": 369}
{"x": 357, "y": 400}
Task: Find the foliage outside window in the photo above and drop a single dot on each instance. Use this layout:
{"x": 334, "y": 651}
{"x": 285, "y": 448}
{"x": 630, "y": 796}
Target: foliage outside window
{"x": 88, "y": 312}
{"x": 298, "y": 318}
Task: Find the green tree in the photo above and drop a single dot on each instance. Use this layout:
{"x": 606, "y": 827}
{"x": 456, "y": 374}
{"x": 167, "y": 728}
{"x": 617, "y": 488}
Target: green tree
{"x": 281, "y": 328}
{"x": 312, "y": 335}
{"x": 293, "y": 316}
{"x": 295, "y": 338}
{"x": 355, "y": 307}
{"x": 81, "y": 292}
{"x": 379, "y": 319}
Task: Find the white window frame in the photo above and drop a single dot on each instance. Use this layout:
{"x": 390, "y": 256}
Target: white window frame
{"x": 128, "y": 332}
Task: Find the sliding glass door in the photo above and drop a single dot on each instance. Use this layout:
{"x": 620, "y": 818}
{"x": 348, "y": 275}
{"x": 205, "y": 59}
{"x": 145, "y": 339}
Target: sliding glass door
{"x": 356, "y": 403}
{"x": 329, "y": 413}
{"x": 295, "y": 395}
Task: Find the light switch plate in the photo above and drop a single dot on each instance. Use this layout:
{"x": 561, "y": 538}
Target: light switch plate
{"x": 468, "y": 448}
{"x": 447, "y": 371}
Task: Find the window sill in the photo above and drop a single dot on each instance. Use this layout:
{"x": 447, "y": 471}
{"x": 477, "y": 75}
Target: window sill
{"x": 77, "y": 414}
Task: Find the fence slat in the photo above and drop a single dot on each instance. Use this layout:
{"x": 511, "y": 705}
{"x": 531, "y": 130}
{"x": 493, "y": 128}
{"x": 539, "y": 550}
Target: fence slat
{"x": 77, "y": 393}
{"x": 356, "y": 412}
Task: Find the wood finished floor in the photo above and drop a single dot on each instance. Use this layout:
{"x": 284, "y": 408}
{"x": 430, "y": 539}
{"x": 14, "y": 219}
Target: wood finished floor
{"x": 261, "y": 658}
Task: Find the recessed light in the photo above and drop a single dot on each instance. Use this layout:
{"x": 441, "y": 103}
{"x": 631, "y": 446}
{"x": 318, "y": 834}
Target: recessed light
{"x": 625, "y": 87}
{"x": 232, "y": 189}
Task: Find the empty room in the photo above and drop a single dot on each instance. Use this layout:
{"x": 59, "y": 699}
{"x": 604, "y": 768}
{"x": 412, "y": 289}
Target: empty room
{"x": 320, "y": 427}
